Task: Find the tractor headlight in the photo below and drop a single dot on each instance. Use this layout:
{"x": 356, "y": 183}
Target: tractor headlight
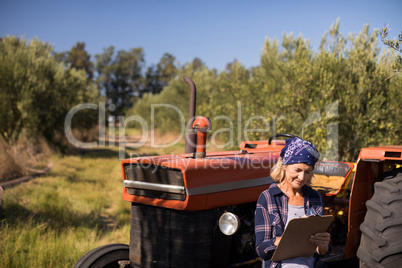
{"x": 229, "y": 223}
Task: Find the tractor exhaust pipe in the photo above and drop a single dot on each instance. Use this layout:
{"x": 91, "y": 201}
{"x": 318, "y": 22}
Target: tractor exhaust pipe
{"x": 201, "y": 124}
{"x": 191, "y": 136}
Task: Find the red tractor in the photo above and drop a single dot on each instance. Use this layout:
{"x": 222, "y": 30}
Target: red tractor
{"x": 197, "y": 209}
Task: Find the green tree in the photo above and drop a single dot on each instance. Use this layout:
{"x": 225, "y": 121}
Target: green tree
{"x": 158, "y": 77}
{"x": 346, "y": 75}
{"x": 338, "y": 97}
{"x": 119, "y": 77}
{"x": 197, "y": 64}
{"x": 166, "y": 68}
{"x": 396, "y": 45}
{"x": 177, "y": 93}
{"x": 77, "y": 58}
{"x": 36, "y": 91}
{"x": 152, "y": 81}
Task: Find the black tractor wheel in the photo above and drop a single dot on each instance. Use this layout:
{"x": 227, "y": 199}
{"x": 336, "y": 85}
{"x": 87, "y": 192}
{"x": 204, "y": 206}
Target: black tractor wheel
{"x": 381, "y": 244}
{"x": 106, "y": 256}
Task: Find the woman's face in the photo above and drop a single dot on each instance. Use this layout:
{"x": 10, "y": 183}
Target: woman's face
{"x": 297, "y": 175}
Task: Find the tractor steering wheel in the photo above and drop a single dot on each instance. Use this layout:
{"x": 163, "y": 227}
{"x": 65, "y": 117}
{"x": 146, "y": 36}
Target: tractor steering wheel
{"x": 281, "y": 135}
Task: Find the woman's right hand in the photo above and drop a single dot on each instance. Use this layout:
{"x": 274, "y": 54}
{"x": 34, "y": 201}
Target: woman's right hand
{"x": 277, "y": 240}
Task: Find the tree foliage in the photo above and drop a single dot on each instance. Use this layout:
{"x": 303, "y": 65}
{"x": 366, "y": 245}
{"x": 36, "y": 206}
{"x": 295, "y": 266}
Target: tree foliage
{"x": 36, "y": 91}
{"x": 119, "y": 77}
{"x": 77, "y": 58}
{"x": 158, "y": 77}
{"x": 338, "y": 97}
{"x": 396, "y": 45}
{"x": 81, "y": 60}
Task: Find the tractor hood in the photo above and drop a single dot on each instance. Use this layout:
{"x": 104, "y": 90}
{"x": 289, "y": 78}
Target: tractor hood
{"x": 183, "y": 182}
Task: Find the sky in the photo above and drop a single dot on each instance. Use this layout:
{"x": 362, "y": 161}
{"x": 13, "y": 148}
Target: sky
{"x": 217, "y": 32}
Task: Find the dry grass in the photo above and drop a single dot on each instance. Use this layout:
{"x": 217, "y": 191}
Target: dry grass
{"x": 9, "y": 168}
{"x": 22, "y": 158}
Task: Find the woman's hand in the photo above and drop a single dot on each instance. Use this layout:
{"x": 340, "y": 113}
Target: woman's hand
{"x": 322, "y": 241}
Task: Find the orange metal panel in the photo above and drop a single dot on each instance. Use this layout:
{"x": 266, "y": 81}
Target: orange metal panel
{"x": 361, "y": 192}
{"x": 224, "y": 178}
{"x": 380, "y": 153}
{"x": 234, "y": 197}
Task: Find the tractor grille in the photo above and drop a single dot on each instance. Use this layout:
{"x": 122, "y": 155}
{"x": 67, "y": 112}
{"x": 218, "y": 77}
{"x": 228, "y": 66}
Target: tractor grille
{"x": 155, "y": 182}
{"x": 162, "y": 237}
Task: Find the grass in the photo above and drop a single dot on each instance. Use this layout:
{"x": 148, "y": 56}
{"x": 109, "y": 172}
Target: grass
{"x": 52, "y": 221}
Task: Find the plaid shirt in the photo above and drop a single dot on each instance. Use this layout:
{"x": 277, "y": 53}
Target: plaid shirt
{"x": 271, "y": 216}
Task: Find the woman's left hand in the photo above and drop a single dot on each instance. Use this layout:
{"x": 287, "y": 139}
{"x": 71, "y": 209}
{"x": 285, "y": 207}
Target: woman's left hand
{"x": 322, "y": 241}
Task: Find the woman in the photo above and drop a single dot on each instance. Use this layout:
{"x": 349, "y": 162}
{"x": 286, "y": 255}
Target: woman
{"x": 289, "y": 197}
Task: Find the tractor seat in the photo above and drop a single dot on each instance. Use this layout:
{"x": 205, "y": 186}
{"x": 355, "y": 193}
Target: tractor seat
{"x": 330, "y": 176}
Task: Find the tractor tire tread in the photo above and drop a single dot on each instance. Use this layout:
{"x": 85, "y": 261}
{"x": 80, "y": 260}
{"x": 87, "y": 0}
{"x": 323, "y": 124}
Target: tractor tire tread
{"x": 380, "y": 244}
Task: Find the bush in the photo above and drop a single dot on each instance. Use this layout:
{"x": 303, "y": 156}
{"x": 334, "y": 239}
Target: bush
{"x": 36, "y": 92}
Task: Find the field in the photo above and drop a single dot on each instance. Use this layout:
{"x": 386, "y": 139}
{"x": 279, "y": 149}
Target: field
{"x": 54, "y": 220}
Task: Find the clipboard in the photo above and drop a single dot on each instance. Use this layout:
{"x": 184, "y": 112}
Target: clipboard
{"x": 295, "y": 239}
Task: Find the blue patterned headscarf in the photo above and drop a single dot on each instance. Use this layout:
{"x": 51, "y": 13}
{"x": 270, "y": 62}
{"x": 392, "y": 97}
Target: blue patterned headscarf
{"x": 297, "y": 151}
